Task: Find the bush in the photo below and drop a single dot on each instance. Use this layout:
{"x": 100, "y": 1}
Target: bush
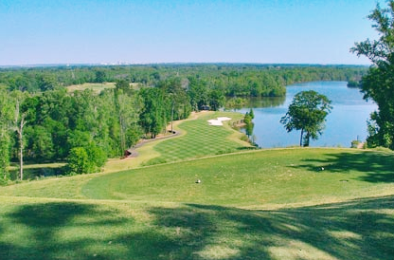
{"x": 78, "y": 161}
{"x": 382, "y": 149}
{"x": 3, "y": 182}
{"x": 86, "y": 160}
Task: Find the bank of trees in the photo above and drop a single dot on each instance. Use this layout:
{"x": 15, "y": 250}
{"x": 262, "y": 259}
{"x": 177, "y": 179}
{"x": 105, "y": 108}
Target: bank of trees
{"x": 378, "y": 84}
{"x": 41, "y": 122}
{"x": 53, "y": 125}
{"x": 230, "y": 79}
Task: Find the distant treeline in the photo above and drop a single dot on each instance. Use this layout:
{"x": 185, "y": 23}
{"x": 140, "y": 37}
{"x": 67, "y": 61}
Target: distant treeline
{"x": 41, "y": 122}
{"x": 231, "y": 79}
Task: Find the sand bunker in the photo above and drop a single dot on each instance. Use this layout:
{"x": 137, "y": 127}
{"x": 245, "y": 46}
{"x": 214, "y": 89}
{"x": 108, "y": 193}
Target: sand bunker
{"x": 218, "y": 121}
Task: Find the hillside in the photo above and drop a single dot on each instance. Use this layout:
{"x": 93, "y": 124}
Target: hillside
{"x": 292, "y": 203}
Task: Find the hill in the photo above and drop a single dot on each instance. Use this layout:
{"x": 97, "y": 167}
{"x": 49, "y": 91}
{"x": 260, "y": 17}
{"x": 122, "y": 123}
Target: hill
{"x": 294, "y": 203}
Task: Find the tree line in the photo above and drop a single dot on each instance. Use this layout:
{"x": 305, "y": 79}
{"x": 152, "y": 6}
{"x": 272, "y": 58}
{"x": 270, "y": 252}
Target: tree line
{"x": 41, "y": 122}
{"x": 230, "y": 79}
{"x": 378, "y": 83}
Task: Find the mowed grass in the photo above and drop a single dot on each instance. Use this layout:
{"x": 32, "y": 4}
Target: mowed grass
{"x": 37, "y": 229}
{"x": 265, "y": 204}
{"x": 199, "y": 139}
{"x": 249, "y": 179}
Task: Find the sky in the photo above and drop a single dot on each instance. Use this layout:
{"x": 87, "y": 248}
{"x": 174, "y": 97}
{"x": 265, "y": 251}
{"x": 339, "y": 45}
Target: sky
{"x": 169, "y": 31}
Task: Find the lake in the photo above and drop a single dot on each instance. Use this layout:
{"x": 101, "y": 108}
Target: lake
{"x": 346, "y": 122}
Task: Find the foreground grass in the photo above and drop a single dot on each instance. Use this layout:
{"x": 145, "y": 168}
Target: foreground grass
{"x": 266, "y": 204}
{"x": 249, "y": 179}
{"x": 59, "y": 229}
{"x": 255, "y": 178}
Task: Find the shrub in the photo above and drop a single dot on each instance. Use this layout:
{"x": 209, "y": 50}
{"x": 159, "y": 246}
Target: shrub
{"x": 78, "y": 161}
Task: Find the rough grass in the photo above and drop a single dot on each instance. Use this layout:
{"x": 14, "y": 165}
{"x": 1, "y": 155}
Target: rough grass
{"x": 96, "y": 87}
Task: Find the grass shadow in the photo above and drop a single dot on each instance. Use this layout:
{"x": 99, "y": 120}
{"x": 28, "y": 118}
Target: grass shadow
{"x": 57, "y": 230}
{"x": 36, "y": 173}
{"x": 359, "y": 229}
{"x": 376, "y": 167}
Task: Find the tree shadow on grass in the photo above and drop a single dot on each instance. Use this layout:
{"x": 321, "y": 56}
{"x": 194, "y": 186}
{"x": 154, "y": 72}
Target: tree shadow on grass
{"x": 377, "y": 167}
{"x": 46, "y": 231}
{"x": 359, "y": 229}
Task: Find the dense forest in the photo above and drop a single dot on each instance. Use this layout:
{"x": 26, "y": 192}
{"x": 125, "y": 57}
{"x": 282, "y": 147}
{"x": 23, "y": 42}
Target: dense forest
{"x": 40, "y": 121}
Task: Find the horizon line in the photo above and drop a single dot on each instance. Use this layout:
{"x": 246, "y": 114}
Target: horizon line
{"x": 102, "y": 64}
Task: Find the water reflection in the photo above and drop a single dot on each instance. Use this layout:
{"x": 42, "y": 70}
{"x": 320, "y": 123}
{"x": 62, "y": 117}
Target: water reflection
{"x": 265, "y": 102}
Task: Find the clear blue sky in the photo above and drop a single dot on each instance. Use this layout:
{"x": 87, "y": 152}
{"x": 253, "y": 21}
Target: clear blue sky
{"x": 154, "y": 31}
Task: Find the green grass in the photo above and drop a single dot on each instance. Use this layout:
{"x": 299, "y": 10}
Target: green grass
{"x": 96, "y": 87}
{"x": 200, "y": 139}
{"x": 49, "y": 229}
{"x": 254, "y": 178}
{"x": 265, "y": 204}
{"x": 249, "y": 179}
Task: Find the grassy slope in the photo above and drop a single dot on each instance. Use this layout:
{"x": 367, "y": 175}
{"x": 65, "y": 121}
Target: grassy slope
{"x": 270, "y": 204}
{"x": 255, "y": 178}
{"x": 249, "y": 179}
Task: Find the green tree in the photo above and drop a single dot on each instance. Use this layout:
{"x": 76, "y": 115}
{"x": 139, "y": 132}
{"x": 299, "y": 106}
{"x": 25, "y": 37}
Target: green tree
{"x": 249, "y": 125}
{"x": 216, "y": 99}
{"x": 251, "y": 113}
{"x": 127, "y": 108}
{"x": 78, "y": 161}
{"x": 6, "y": 114}
{"x": 41, "y": 148}
{"x": 197, "y": 92}
{"x": 100, "y": 76}
{"x": 152, "y": 116}
{"x": 97, "y": 158}
{"x": 25, "y": 108}
{"x": 378, "y": 84}
{"x": 307, "y": 113}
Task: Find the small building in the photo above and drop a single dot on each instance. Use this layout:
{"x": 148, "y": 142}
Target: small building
{"x": 127, "y": 153}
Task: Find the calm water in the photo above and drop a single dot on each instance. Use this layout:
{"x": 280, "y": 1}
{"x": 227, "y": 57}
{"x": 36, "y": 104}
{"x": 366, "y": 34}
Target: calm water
{"x": 346, "y": 122}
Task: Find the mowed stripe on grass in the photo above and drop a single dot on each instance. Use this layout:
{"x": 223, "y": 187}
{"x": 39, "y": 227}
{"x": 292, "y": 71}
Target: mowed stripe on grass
{"x": 200, "y": 139}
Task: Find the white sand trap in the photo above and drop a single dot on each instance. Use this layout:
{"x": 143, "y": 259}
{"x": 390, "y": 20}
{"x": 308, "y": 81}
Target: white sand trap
{"x": 218, "y": 121}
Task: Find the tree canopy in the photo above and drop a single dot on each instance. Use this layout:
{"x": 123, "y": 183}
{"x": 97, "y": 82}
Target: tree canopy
{"x": 43, "y": 121}
{"x": 378, "y": 84}
{"x": 307, "y": 113}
